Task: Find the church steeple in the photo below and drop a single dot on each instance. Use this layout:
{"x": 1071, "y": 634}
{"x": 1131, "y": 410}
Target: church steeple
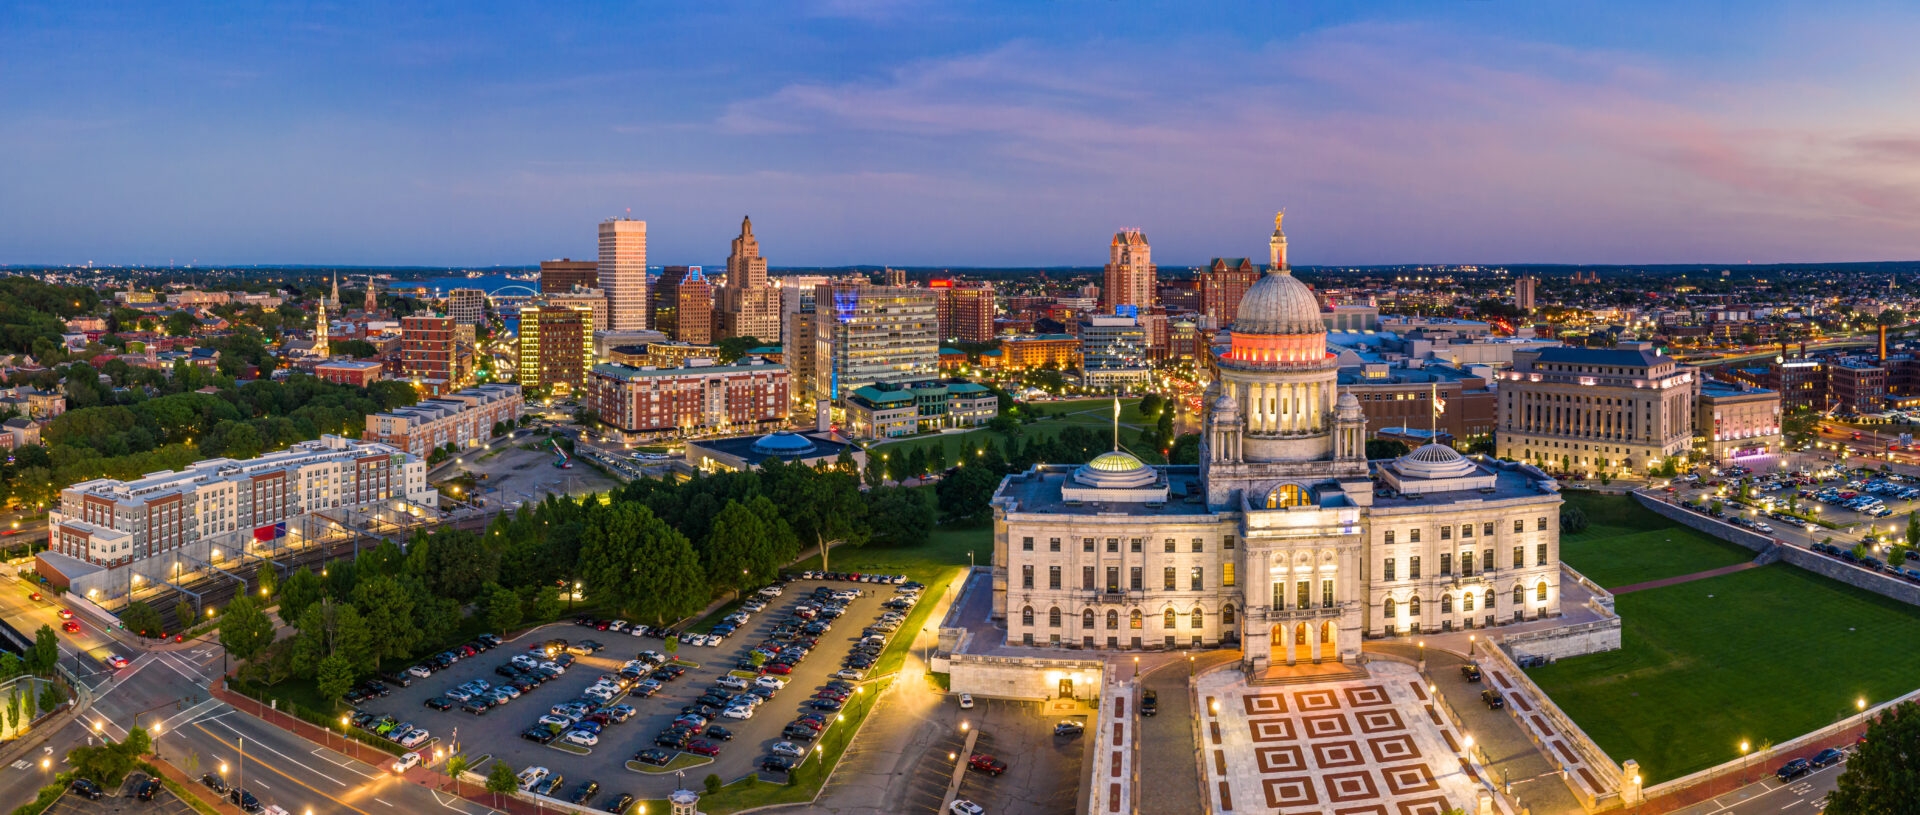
{"x": 336, "y": 289}
{"x": 320, "y": 331}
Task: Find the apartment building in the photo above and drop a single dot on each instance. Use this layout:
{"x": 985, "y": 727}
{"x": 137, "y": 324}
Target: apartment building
{"x": 358, "y": 373}
{"x": 462, "y": 419}
{"x": 556, "y": 347}
{"x": 427, "y": 352}
{"x": 222, "y": 502}
{"x": 652, "y": 402}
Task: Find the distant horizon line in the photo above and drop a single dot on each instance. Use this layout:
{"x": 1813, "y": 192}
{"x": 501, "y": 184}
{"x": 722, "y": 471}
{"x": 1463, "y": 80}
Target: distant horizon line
{"x": 866, "y": 267}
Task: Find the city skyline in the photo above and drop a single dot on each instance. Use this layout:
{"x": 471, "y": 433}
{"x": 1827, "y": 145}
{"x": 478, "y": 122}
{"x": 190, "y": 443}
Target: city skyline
{"x": 900, "y": 132}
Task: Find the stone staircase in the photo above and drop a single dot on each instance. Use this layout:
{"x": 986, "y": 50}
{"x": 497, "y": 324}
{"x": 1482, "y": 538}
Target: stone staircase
{"x": 1307, "y": 674}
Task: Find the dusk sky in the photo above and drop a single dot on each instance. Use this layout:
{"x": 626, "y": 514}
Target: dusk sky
{"x": 958, "y": 133}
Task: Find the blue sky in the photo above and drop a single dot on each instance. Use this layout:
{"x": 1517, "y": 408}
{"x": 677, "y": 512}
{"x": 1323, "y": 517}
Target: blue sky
{"x": 959, "y": 133}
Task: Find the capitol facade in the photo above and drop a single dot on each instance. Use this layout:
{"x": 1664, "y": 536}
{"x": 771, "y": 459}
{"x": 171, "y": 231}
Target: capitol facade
{"x": 1285, "y": 538}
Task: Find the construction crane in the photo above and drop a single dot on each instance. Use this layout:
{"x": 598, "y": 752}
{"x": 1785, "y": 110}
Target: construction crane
{"x": 564, "y": 462}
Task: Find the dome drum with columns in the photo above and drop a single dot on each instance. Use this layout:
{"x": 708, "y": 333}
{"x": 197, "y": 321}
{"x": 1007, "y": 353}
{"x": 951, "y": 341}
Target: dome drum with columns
{"x": 1275, "y": 541}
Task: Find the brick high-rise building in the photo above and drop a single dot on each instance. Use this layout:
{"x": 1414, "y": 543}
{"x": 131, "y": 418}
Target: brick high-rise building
{"x": 1225, "y": 282}
{"x": 427, "y": 352}
{"x": 564, "y": 274}
{"x": 1130, "y": 272}
{"x": 749, "y": 305}
{"x": 556, "y": 347}
{"x": 663, "y": 300}
{"x": 966, "y": 311}
{"x": 623, "y": 272}
{"x": 682, "y": 401}
{"x": 694, "y": 312}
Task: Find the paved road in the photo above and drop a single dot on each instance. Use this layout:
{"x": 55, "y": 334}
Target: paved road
{"x": 1805, "y": 795}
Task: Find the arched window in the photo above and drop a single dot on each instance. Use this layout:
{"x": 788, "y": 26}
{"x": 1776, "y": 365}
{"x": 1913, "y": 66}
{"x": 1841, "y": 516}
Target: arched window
{"x": 1540, "y": 592}
{"x": 1113, "y": 619}
{"x": 1446, "y": 604}
{"x": 1026, "y": 616}
{"x": 1169, "y": 622}
{"x": 1466, "y": 601}
{"x": 1490, "y": 598}
{"x": 1387, "y": 608}
{"x": 1413, "y": 607}
{"x": 1086, "y": 619}
{"x": 1288, "y": 495}
{"x": 1199, "y": 618}
{"x": 1136, "y": 620}
{"x": 1519, "y": 595}
{"x": 1226, "y": 615}
{"x": 1053, "y": 617}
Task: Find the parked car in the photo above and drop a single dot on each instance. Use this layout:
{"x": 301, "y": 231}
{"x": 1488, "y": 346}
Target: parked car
{"x": 1493, "y": 699}
{"x": 86, "y": 789}
{"x": 777, "y": 764}
{"x": 1471, "y": 672}
{"x": 657, "y": 758}
{"x": 619, "y": 804}
{"x": 963, "y": 806}
{"x": 966, "y": 701}
{"x": 1069, "y": 727}
{"x": 1828, "y": 757}
{"x": 585, "y": 792}
{"x": 405, "y": 763}
{"x": 983, "y": 763}
{"x": 1794, "y": 769}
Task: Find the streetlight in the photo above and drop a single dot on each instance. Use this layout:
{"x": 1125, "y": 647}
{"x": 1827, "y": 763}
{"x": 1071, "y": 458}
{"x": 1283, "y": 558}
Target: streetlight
{"x": 1860, "y": 704}
{"x": 1744, "y": 747}
{"x": 1470, "y": 641}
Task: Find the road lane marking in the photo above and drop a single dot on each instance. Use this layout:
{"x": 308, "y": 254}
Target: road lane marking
{"x": 270, "y": 749}
{"x": 383, "y": 803}
{"x": 1795, "y": 804}
{"x": 283, "y": 774}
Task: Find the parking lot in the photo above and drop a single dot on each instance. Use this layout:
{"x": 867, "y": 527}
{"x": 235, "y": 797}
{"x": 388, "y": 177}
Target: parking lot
{"x": 123, "y": 800}
{"x": 1043, "y": 770}
{"x": 496, "y": 734}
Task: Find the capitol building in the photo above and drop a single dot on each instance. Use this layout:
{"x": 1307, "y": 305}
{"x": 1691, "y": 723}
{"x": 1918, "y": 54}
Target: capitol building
{"x": 1285, "y": 538}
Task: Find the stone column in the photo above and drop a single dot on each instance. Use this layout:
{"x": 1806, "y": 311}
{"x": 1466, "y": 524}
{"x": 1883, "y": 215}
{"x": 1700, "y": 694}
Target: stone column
{"x": 1286, "y": 638}
{"x": 1313, "y": 639}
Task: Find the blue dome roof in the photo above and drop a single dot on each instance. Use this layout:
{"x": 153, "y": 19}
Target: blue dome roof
{"x": 783, "y": 443}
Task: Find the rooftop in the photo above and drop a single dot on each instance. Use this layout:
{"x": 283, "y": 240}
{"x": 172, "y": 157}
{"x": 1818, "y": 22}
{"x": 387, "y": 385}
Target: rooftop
{"x": 1041, "y": 489}
{"x": 629, "y": 373}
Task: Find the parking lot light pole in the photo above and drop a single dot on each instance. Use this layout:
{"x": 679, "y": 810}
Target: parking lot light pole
{"x": 1744, "y": 747}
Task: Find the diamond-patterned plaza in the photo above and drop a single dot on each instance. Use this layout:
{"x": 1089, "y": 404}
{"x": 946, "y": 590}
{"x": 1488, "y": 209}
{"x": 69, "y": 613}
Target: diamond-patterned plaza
{"x": 1358, "y": 747}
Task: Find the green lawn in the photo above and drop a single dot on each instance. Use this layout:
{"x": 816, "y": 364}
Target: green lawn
{"x": 1765, "y": 655}
{"x": 1624, "y": 543}
{"x": 1091, "y": 413}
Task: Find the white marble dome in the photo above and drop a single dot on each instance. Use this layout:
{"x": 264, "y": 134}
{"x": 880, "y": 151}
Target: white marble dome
{"x": 1434, "y": 461}
{"x": 1279, "y": 304}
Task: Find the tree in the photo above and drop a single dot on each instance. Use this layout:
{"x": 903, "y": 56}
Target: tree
{"x": 899, "y": 517}
{"x": 1385, "y": 448}
{"x": 1879, "y": 777}
{"x": 11, "y": 666}
{"x": 1913, "y": 529}
{"x": 1573, "y": 520}
{"x": 108, "y": 764}
{"x": 183, "y": 612}
{"x": 733, "y": 348}
{"x": 737, "y": 547}
{"x": 544, "y": 603}
{"x": 45, "y": 651}
{"x": 245, "y": 629}
{"x": 1150, "y": 405}
{"x": 334, "y": 676}
{"x": 713, "y": 783}
{"x": 268, "y": 581}
{"x": 142, "y": 619}
{"x": 501, "y": 780}
{"x": 457, "y": 563}
{"x": 964, "y": 495}
{"x": 301, "y": 589}
{"x": 13, "y": 712}
{"x": 503, "y": 609}
{"x": 389, "y": 611}
{"x": 1186, "y": 449}
{"x": 329, "y": 629}
{"x": 456, "y": 764}
{"x": 51, "y": 697}
{"x": 632, "y": 560}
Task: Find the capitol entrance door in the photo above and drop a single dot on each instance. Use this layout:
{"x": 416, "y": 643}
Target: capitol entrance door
{"x": 1290, "y": 640}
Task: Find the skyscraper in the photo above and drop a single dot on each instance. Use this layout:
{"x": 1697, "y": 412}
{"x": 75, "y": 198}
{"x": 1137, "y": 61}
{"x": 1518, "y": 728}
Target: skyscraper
{"x": 693, "y": 308}
{"x": 870, "y": 334}
{"x": 965, "y": 310}
{"x": 623, "y": 272}
{"x": 466, "y": 306}
{"x": 749, "y": 307}
{"x": 556, "y": 343}
{"x": 564, "y": 274}
{"x": 1523, "y": 293}
{"x": 1130, "y": 272}
{"x": 427, "y": 353}
{"x": 663, "y": 300}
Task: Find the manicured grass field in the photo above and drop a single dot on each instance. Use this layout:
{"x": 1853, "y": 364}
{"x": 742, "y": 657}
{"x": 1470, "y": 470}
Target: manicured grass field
{"x": 1764, "y": 655}
{"x": 1625, "y": 543}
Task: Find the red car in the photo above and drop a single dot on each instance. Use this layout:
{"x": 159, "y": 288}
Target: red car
{"x": 33, "y": 596}
{"x": 71, "y": 627}
{"x": 983, "y": 763}
{"x": 703, "y": 747}
{"x": 65, "y": 614}
{"x": 776, "y": 668}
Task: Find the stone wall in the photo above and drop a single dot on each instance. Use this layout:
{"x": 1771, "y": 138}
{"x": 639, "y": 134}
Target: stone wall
{"x": 1566, "y": 641}
{"x": 1706, "y": 523}
{"x": 1590, "y": 753}
{"x": 1022, "y": 677}
{"x": 1876, "y": 582}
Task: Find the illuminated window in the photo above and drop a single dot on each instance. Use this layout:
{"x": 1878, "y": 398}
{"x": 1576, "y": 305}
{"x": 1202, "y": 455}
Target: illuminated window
{"x": 1287, "y": 495}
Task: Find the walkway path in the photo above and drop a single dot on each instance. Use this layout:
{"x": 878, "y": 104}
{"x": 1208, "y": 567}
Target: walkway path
{"x": 1685, "y": 578}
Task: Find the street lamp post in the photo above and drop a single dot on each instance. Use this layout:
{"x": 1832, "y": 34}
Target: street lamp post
{"x": 1860, "y": 704}
{"x": 1744, "y": 747}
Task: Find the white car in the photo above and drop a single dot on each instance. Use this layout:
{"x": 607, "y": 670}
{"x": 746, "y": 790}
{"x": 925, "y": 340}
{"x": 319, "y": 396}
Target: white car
{"x": 638, "y": 630}
{"x": 732, "y": 682}
{"x": 556, "y": 720}
{"x": 532, "y": 776}
{"x": 966, "y": 701}
{"x": 415, "y": 739}
{"x": 582, "y": 738}
{"x": 617, "y": 625}
{"x": 771, "y": 682}
{"x": 405, "y": 763}
{"x": 525, "y": 661}
{"x": 741, "y": 712}
{"x": 771, "y": 591}
{"x": 787, "y": 748}
{"x": 554, "y": 667}
{"x": 419, "y": 672}
{"x": 601, "y": 693}
{"x": 965, "y": 807}
{"x": 654, "y": 657}
{"x": 854, "y": 674}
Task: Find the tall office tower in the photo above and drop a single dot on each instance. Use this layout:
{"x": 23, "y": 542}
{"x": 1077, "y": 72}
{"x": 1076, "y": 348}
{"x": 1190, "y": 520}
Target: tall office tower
{"x": 1225, "y": 282}
{"x": 426, "y": 352}
{"x": 798, "y": 342}
{"x": 623, "y": 272}
{"x": 466, "y": 306}
{"x": 749, "y": 307}
{"x": 897, "y": 277}
{"x": 966, "y": 311}
{"x": 874, "y": 334}
{"x": 592, "y": 300}
{"x": 693, "y": 306}
{"x": 564, "y": 274}
{"x": 1523, "y": 293}
{"x": 556, "y": 344}
{"x": 1130, "y": 273}
{"x": 663, "y": 300}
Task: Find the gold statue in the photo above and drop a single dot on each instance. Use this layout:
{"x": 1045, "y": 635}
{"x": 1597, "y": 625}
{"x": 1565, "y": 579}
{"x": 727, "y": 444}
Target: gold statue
{"x": 1276, "y": 219}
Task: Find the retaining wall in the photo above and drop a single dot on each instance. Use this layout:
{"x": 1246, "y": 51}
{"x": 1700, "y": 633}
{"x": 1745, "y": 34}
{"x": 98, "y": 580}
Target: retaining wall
{"x": 1022, "y": 677}
{"x": 1706, "y": 523}
{"x": 1567, "y": 641}
{"x": 1876, "y": 582}
{"x": 1590, "y": 753}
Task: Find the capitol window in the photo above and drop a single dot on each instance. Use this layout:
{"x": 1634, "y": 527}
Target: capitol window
{"x": 1167, "y": 579}
{"x": 1387, "y": 608}
{"x": 1136, "y": 620}
{"x": 1199, "y": 618}
{"x": 1287, "y": 495}
{"x": 1519, "y": 595}
{"x": 1026, "y": 616}
{"x": 1113, "y": 619}
{"x": 1226, "y": 575}
{"x": 1540, "y": 592}
{"x": 1086, "y": 618}
{"x": 1169, "y": 545}
{"x": 1169, "y": 622}
{"x": 1199, "y": 545}
{"x": 1053, "y": 617}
